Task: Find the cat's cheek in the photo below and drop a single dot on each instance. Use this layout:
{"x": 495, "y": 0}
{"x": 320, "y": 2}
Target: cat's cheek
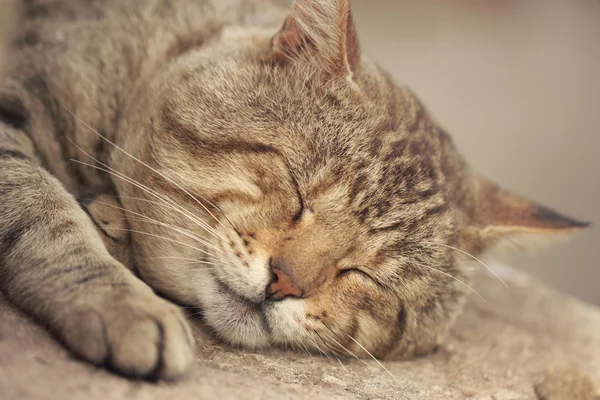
{"x": 247, "y": 278}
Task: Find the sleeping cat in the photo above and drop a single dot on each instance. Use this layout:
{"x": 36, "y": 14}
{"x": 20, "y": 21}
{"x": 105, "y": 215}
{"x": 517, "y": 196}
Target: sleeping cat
{"x": 257, "y": 167}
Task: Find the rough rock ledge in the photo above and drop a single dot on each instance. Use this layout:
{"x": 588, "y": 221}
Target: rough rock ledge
{"x": 526, "y": 342}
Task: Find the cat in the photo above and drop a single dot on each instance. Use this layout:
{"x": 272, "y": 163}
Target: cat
{"x": 252, "y": 163}
{"x": 6, "y": 29}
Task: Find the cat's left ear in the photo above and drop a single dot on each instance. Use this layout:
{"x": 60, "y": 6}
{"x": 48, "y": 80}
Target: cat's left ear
{"x": 321, "y": 31}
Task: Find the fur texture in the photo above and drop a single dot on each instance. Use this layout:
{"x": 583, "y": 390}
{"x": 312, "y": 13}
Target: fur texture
{"x": 229, "y": 145}
{"x": 6, "y": 29}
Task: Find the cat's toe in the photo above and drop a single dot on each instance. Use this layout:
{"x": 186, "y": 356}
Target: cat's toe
{"x": 84, "y": 334}
{"x": 142, "y": 337}
{"x": 152, "y": 345}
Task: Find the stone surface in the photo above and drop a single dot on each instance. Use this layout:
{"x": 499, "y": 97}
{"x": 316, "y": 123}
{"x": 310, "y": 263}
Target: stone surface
{"x": 526, "y": 342}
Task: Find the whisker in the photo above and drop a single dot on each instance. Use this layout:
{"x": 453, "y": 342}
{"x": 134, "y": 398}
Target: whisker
{"x": 311, "y": 337}
{"x": 336, "y": 353}
{"x": 164, "y": 238}
{"x": 192, "y": 260}
{"x": 146, "y": 165}
{"x": 304, "y": 346}
{"x": 169, "y": 203}
{"x": 182, "y": 231}
{"x": 376, "y": 360}
{"x": 204, "y": 266}
{"x": 147, "y": 219}
{"x": 208, "y": 266}
{"x": 333, "y": 352}
{"x": 339, "y": 344}
{"x": 155, "y": 202}
{"x": 345, "y": 348}
{"x": 342, "y": 364}
{"x": 195, "y": 314}
{"x": 468, "y": 255}
{"x": 145, "y": 188}
{"x": 455, "y": 278}
{"x": 120, "y": 175}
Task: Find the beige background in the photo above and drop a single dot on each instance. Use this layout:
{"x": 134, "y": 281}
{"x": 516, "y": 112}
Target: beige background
{"x": 517, "y": 84}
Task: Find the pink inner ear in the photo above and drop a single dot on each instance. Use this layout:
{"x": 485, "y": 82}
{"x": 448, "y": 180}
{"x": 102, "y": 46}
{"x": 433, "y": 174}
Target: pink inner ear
{"x": 294, "y": 35}
{"x": 325, "y": 28}
{"x": 289, "y": 40}
{"x": 351, "y": 46}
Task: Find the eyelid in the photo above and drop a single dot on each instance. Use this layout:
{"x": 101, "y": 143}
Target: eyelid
{"x": 299, "y": 213}
{"x": 346, "y": 271}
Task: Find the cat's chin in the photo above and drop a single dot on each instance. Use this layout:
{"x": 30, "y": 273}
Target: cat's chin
{"x": 241, "y": 322}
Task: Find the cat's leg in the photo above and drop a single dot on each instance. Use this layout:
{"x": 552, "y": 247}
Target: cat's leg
{"x": 54, "y": 265}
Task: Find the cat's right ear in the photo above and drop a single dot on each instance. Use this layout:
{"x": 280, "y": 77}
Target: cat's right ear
{"x": 501, "y": 218}
{"x": 320, "y": 32}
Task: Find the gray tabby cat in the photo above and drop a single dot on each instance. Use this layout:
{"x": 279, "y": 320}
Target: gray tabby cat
{"x": 265, "y": 173}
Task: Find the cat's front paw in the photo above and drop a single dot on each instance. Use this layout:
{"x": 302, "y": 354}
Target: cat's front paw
{"x": 136, "y": 334}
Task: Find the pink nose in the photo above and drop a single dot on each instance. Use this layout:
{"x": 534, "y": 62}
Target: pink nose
{"x": 281, "y": 286}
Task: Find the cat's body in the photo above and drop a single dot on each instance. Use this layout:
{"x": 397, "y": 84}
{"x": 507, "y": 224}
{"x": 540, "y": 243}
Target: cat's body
{"x": 321, "y": 202}
{"x": 95, "y": 59}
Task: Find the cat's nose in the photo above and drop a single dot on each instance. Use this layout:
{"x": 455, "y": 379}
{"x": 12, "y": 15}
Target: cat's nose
{"x": 281, "y": 286}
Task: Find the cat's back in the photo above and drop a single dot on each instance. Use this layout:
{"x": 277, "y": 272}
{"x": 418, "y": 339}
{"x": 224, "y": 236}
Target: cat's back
{"x": 67, "y": 23}
{"x": 89, "y": 58}
{"x": 107, "y": 45}
{"x": 80, "y": 26}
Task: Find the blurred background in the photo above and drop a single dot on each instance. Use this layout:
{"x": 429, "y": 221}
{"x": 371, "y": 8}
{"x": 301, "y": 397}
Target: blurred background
{"x": 517, "y": 84}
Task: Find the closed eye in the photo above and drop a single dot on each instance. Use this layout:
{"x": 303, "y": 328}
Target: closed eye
{"x": 298, "y": 215}
{"x": 349, "y": 271}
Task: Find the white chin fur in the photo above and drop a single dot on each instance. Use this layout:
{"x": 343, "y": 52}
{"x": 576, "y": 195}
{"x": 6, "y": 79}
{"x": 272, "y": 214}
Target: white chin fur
{"x": 235, "y": 320}
{"x": 285, "y": 318}
{"x": 239, "y": 322}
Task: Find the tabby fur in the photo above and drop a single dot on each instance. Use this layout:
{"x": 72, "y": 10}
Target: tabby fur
{"x": 214, "y": 142}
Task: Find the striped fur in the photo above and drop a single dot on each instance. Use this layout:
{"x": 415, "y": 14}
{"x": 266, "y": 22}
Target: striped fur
{"x": 199, "y": 144}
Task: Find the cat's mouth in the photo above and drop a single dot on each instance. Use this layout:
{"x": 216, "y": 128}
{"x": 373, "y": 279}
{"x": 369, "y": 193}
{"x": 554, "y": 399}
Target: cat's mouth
{"x": 257, "y": 306}
{"x": 257, "y": 302}
{"x": 242, "y": 308}
{"x": 240, "y": 321}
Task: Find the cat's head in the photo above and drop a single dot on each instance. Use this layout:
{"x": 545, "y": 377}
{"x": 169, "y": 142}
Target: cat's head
{"x": 299, "y": 196}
